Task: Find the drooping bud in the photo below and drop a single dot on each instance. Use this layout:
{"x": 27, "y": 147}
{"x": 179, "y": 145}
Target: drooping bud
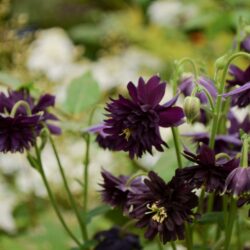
{"x": 220, "y": 63}
{"x": 191, "y": 108}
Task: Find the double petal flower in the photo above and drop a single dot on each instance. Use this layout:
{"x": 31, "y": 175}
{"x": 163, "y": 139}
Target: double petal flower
{"x": 134, "y": 123}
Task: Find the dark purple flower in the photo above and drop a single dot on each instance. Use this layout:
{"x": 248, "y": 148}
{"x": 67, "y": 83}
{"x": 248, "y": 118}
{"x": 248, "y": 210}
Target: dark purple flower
{"x": 207, "y": 171}
{"x": 163, "y": 208}
{"x": 245, "y": 44}
{"x": 238, "y": 182}
{"x": 20, "y": 128}
{"x": 134, "y": 122}
{"x": 116, "y": 190}
{"x": 37, "y": 108}
{"x": 17, "y": 133}
{"x": 115, "y": 239}
{"x": 241, "y": 95}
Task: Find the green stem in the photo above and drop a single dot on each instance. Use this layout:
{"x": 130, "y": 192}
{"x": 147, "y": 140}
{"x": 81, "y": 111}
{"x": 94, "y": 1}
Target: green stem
{"x": 239, "y": 245}
{"x": 175, "y": 134}
{"x": 230, "y": 224}
{"x": 244, "y": 152}
{"x": 219, "y": 99}
{"x": 201, "y": 200}
{"x": 190, "y": 61}
{"x": 85, "y": 177}
{"x": 51, "y": 197}
{"x": 189, "y": 240}
{"x": 209, "y": 97}
{"x": 19, "y": 104}
{"x": 210, "y": 202}
{"x": 160, "y": 246}
{"x": 172, "y": 243}
{"x": 72, "y": 200}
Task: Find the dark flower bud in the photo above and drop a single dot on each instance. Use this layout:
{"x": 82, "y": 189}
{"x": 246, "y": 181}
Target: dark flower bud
{"x": 191, "y": 108}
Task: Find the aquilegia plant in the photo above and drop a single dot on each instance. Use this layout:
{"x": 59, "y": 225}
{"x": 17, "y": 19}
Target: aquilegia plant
{"x": 200, "y": 206}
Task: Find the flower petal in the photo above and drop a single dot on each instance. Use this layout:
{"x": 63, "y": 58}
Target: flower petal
{"x": 171, "y": 117}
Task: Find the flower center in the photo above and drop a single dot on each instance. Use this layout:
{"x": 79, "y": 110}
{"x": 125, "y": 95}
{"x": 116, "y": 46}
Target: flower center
{"x": 127, "y": 133}
{"x": 160, "y": 213}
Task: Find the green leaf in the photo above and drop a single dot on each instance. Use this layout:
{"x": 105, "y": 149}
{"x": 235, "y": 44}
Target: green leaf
{"x": 96, "y": 211}
{"x": 83, "y": 92}
{"x": 8, "y": 80}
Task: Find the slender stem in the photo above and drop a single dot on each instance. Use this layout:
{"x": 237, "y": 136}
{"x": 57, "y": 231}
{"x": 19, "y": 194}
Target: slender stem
{"x": 209, "y": 97}
{"x": 210, "y": 202}
{"x": 230, "y": 224}
{"x": 201, "y": 200}
{"x": 175, "y": 134}
{"x": 72, "y": 200}
{"x": 172, "y": 243}
{"x": 160, "y": 246}
{"x": 51, "y": 197}
{"x": 239, "y": 245}
{"x": 219, "y": 98}
{"x": 244, "y": 152}
{"x": 86, "y": 177}
{"x": 189, "y": 240}
{"x": 189, "y": 60}
{"x": 18, "y": 105}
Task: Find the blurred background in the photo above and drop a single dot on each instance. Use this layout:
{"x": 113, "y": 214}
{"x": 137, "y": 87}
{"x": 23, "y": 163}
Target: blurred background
{"x": 83, "y": 51}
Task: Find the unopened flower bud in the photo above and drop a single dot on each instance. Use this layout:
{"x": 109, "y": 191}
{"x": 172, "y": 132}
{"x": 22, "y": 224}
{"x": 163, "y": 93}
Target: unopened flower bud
{"x": 221, "y": 62}
{"x": 247, "y": 29}
{"x": 192, "y": 108}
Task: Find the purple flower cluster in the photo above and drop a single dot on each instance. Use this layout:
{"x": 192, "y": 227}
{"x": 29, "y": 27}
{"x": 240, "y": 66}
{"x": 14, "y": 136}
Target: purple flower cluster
{"x": 22, "y": 119}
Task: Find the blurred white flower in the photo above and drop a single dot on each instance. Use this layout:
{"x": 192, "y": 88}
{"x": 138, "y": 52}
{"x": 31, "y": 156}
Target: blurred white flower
{"x": 171, "y": 13}
{"x": 111, "y": 71}
{"x": 7, "y": 203}
{"x": 53, "y": 54}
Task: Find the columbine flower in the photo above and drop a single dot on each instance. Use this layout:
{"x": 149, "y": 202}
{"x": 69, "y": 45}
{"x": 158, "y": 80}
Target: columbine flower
{"x": 116, "y": 190}
{"x": 238, "y": 182}
{"x": 241, "y": 95}
{"x": 134, "y": 122}
{"x": 20, "y": 129}
{"x": 207, "y": 171}
{"x": 163, "y": 208}
{"x": 115, "y": 239}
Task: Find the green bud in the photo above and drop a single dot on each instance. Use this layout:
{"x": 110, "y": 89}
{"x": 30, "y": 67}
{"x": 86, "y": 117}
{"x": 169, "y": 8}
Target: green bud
{"x": 247, "y": 29}
{"x": 191, "y": 108}
{"x": 220, "y": 63}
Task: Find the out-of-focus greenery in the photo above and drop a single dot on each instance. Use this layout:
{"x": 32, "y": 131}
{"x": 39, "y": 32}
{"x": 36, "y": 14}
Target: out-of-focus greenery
{"x": 101, "y": 28}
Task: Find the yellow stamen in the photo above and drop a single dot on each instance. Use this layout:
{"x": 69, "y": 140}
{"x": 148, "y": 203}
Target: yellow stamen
{"x": 127, "y": 133}
{"x": 160, "y": 212}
